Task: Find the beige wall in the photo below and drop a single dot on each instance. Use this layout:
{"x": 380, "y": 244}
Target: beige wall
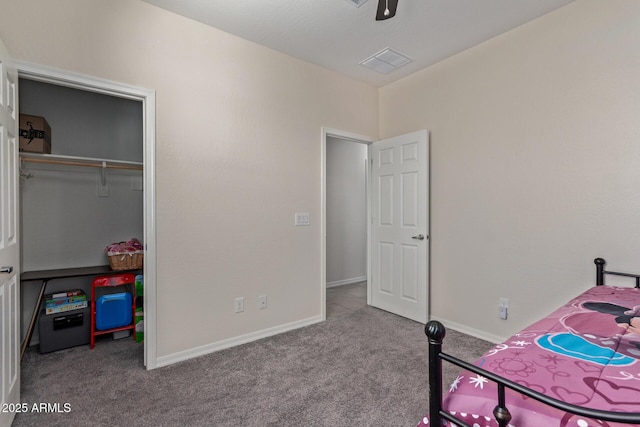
{"x": 238, "y": 153}
{"x": 535, "y": 162}
{"x": 534, "y": 158}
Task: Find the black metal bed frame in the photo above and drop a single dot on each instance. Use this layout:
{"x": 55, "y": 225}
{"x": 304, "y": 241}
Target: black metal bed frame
{"x": 435, "y": 332}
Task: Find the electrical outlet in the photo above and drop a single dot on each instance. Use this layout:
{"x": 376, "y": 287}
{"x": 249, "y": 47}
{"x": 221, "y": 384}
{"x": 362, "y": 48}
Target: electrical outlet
{"x": 239, "y": 305}
{"x": 262, "y": 301}
{"x": 302, "y": 219}
{"x": 503, "y": 308}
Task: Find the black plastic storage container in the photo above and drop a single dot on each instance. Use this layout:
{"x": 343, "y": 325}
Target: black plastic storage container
{"x": 64, "y": 330}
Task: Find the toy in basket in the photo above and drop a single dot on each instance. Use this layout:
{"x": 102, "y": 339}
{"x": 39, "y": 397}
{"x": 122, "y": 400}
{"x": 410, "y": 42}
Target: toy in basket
{"x": 125, "y": 255}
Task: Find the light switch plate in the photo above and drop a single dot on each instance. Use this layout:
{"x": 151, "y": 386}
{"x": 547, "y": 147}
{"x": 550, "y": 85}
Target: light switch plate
{"x": 302, "y": 219}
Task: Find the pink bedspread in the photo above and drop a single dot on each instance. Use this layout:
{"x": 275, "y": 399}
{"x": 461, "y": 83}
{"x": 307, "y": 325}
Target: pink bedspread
{"x": 585, "y": 353}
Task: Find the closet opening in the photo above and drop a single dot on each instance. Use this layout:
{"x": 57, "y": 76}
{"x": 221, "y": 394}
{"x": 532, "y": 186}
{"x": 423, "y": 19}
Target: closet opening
{"x": 87, "y": 192}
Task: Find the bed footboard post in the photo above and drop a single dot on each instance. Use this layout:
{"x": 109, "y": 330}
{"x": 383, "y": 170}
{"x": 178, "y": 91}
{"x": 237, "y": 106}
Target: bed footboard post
{"x": 435, "y": 331}
{"x": 599, "y": 271}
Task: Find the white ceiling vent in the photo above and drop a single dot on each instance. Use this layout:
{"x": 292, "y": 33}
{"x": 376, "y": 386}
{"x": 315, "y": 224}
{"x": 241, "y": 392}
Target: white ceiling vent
{"x": 356, "y": 3}
{"x": 386, "y": 61}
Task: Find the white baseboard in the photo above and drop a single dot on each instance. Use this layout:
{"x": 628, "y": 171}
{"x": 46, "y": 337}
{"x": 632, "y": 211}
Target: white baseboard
{"x": 232, "y": 342}
{"x": 470, "y": 331}
{"x": 346, "y": 281}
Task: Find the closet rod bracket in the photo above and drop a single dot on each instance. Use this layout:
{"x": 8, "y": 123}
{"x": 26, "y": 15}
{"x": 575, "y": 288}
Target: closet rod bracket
{"x": 103, "y": 174}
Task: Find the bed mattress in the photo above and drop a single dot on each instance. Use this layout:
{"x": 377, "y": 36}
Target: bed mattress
{"x": 585, "y": 353}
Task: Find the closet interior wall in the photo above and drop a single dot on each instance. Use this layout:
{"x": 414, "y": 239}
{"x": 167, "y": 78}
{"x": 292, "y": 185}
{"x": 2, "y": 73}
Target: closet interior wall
{"x": 66, "y": 218}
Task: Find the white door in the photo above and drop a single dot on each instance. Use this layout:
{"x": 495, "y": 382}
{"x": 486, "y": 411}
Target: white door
{"x": 399, "y": 245}
{"x": 9, "y": 253}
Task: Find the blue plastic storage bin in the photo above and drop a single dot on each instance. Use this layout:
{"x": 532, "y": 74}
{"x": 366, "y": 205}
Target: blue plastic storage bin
{"x": 113, "y": 311}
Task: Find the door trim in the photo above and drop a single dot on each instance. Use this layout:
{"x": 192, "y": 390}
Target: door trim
{"x": 148, "y": 98}
{"x": 349, "y": 136}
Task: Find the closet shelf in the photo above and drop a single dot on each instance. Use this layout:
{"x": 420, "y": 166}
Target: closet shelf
{"x": 80, "y": 161}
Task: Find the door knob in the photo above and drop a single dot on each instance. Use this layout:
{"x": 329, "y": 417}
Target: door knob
{"x": 8, "y": 269}
{"x": 418, "y": 237}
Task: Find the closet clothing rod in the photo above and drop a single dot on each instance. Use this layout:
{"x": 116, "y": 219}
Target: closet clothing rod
{"x": 81, "y": 161}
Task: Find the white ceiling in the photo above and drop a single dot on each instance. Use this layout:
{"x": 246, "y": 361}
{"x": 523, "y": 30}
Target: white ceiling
{"x": 337, "y": 35}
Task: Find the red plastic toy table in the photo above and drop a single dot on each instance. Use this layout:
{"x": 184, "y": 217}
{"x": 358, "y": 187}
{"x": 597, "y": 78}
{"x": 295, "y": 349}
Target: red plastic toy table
{"x": 112, "y": 281}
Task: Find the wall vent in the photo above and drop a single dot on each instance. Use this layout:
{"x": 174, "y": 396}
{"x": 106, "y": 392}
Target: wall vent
{"x": 386, "y": 61}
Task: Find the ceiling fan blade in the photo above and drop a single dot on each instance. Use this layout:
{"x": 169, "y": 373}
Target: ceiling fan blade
{"x": 391, "y": 5}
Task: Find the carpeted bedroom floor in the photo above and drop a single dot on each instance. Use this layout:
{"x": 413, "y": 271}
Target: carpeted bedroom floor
{"x": 363, "y": 366}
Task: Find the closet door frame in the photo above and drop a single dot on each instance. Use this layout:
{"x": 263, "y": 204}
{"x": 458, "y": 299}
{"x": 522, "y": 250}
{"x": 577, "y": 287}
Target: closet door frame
{"x": 148, "y": 99}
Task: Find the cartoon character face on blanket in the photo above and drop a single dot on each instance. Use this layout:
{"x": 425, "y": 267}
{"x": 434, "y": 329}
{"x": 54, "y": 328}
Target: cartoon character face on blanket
{"x": 602, "y": 333}
{"x": 626, "y": 318}
{"x": 604, "y": 340}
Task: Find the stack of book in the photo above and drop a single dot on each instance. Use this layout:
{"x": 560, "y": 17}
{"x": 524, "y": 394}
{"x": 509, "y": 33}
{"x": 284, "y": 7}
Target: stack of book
{"x": 65, "y": 301}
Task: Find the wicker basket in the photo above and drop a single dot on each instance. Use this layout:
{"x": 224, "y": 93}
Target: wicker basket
{"x": 126, "y": 260}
